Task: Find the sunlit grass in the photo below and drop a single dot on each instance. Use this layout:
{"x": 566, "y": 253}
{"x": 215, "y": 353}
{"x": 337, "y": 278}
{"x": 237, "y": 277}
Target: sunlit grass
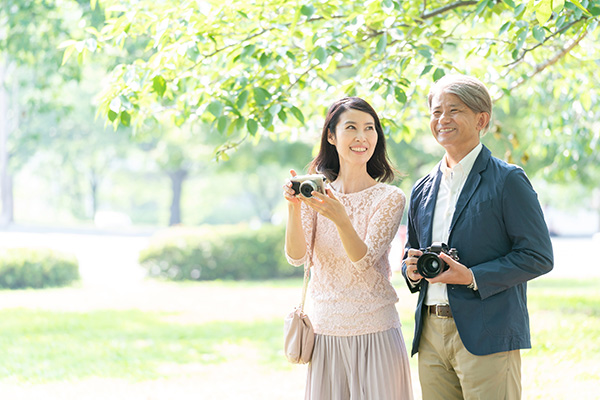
{"x": 38, "y": 346}
{"x": 41, "y": 346}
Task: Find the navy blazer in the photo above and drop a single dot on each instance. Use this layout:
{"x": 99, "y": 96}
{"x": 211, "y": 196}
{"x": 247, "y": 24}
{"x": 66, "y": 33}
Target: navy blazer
{"x": 499, "y": 231}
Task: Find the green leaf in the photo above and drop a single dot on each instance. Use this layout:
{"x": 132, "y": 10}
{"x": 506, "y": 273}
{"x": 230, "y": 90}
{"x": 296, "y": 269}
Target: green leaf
{"x": 241, "y": 100}
{"x": 252, "y": 126}
{"x": 274, "y": 109}
{"x": 307, "y": 11}
{"x": 504, "y": 28}
{"x": 539, "y": 34}
{"x": 558, "y": 5}
{"x": 67, "y": 54}
{"x": 426, "y": 69}
{"x": 264, "y": 59}
{"x": 125, "y": 118}
{"x": 222, "y": 123}
{"x": 159, "y": 85}
{"x": 248, "y": 50}
{"x": 425, "y": 53}
{"x": 267, "y": 120}
{"x": 578, "y": 5}
{"x": 400, "y": 95}
{"x": 481, "y": 6}
{"x": 521, "y": 39}
{"x": 261, "y": 96}
{"x": 112, "y": 115}
{"x": 519, "y": 9}
{"x": 543, "y": 11}
{"x": 510, "y": 3}
{"x": 298, "y": 114}
{"x": 381, "y": 44}
{"x": 215, "y": 108}
{"x": 239, "y": 123}
{"x": 321, "y": 54}
{"x": 282, "y": 116}
{"x": 438, "y": 74}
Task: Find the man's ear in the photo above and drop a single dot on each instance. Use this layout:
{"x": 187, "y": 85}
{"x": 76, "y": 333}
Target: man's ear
{"x": 483, "y": 120}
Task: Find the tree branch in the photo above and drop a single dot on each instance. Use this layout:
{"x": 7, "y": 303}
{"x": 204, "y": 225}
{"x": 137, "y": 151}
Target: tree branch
{"x": 441, "y": 10}
{"x": 544, "y": 42}
{"x": 540, "y": 67}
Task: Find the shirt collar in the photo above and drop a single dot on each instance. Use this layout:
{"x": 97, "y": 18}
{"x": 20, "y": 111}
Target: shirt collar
{"x": 465, "y": 165}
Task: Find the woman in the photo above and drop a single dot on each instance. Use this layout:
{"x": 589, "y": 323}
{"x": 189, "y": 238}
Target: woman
{"x": 359, "y": 349}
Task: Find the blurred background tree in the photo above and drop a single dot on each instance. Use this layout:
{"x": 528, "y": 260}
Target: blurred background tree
{"x": 186, "y": 83}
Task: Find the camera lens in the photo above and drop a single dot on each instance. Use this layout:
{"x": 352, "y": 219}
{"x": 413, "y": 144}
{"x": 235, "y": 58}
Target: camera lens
{"x": 429, "y": 265}
{"x": 307, "y": 187}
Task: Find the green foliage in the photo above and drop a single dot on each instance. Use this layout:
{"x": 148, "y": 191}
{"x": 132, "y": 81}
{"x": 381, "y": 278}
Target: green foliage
{"x": 230, "y": 252}
{"x": 245, "y": 68}
{"x": 36, "y": 268}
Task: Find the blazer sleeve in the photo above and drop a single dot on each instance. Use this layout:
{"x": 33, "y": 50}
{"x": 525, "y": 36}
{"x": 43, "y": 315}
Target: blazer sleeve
{"x": 531, "y": 252}
{"x": 411, "y": 242}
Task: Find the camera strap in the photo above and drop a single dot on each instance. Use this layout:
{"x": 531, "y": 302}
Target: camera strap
{"x": 308, "y": 262}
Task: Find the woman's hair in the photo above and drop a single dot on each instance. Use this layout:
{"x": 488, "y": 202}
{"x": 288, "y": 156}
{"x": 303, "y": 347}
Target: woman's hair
{"x": 327, "y": 162}
{"x": 469, "y": 90}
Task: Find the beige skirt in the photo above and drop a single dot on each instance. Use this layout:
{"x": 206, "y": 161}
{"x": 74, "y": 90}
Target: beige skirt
{"x": 365, "y": 367}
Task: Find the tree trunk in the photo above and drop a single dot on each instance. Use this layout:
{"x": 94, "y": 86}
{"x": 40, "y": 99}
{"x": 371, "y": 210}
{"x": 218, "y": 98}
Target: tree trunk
{"x": 94, "y": 192}
{"x": 177, "y": 177}
{"x": 6, "y": 194}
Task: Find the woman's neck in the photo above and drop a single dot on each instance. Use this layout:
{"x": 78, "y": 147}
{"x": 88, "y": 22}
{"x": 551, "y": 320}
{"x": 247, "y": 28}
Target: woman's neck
{"x": 352, "y": 182}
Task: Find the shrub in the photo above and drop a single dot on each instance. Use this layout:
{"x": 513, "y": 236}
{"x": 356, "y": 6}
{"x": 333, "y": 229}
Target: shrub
{"x": 224, "y": 252}
{"x": 36, "y": 268}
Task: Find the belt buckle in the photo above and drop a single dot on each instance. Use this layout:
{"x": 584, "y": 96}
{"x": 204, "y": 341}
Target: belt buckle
{"x": 439, "y": 312}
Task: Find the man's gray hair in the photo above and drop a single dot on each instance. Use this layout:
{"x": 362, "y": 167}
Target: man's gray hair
{"x": 469, "y": 90}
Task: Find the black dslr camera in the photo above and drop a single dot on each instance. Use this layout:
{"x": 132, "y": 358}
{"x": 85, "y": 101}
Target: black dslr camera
{"x": 429, "y": 264}
{"x": 306, "y": 184}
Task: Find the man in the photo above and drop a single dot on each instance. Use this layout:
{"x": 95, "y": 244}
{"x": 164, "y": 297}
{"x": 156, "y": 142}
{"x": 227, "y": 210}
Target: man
{"x": 472, "y": 319}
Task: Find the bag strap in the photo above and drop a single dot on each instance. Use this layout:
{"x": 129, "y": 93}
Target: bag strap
{"x": 308, "y": 263}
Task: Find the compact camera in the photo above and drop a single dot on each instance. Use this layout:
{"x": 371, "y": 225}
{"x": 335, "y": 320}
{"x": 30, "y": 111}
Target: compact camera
{"x": 429, "y": 264}
{"x": 305, "y": 184}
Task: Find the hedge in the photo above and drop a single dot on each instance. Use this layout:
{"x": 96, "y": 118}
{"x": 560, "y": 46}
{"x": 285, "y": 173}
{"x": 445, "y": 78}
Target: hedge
{"x": 36, "y": 268}
{"x": 220, "y": 252}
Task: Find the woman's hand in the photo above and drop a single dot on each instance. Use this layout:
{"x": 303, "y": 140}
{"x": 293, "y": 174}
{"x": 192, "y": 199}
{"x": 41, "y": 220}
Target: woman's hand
{"x": 288, "y": 192}
{"x": 328, "y": 206}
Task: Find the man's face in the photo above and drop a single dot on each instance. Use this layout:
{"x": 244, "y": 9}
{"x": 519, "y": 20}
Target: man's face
{"x": 454, "y": 125}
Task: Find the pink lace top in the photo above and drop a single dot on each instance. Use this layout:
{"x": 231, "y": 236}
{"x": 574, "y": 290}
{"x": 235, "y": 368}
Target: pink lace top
{"x": 354, "y": 298}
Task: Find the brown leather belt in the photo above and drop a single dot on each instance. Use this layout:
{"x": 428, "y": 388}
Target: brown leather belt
{"x": 440, "y": 310}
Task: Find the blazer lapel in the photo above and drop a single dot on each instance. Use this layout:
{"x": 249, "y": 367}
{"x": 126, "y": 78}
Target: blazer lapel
{"x": 471, "y": 184}
{"x": 428, "y": 206}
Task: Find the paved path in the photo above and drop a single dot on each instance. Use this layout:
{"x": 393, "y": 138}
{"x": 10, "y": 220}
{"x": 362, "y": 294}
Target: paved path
{"x": 110, "y": 260}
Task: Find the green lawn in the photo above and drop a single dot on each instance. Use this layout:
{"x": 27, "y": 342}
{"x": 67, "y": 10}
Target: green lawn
{"x": 44, "y": 346}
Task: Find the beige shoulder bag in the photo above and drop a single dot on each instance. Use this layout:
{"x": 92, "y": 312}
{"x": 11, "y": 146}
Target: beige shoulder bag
{"x": 298, "y": 333}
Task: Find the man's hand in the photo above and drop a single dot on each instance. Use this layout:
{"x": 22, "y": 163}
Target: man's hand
{"x": 411, "y": 265}
{"x": 456, "y": 274}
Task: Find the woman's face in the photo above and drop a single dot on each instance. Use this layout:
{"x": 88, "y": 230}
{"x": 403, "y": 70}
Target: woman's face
{"x": 355, "y": 137}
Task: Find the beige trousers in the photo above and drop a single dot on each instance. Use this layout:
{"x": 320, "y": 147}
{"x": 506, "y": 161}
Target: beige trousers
{"x": 448, "y": 371}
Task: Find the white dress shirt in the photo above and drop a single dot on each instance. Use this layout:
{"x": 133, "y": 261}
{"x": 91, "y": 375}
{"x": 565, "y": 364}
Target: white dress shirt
{"x": 451, "y": 185}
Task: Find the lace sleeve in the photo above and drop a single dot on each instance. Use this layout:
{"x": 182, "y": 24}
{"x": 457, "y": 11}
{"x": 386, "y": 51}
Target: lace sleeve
{"x": 307, "y": 216}
{"x": 383, "y": 226}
